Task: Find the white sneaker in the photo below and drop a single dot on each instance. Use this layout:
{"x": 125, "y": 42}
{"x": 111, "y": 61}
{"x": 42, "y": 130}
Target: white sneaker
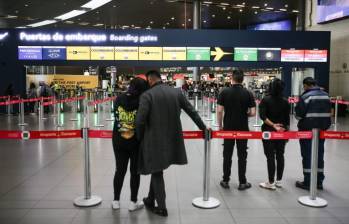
{"x": 267, "y": 185}
{"x": 115, "y": 205}
{"x": 135, "y": 206}
{"x": 278, "y": 183}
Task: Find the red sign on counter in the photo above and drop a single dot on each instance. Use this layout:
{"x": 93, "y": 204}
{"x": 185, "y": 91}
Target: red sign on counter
{"x": 315, "y": 56}
{"x": 292, "y": 55}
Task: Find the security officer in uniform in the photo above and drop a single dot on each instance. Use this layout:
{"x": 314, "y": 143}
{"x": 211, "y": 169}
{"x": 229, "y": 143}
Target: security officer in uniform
{"x": 313, "y": 111}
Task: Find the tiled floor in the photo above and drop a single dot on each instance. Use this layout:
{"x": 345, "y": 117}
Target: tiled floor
{"x": 39, "y": 179}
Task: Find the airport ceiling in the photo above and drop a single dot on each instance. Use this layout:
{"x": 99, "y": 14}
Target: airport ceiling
{"x": 161, "y": 14}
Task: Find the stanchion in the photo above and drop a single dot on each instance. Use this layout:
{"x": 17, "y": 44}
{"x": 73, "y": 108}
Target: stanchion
{"x": 22, "y": 123}
{"x": 98, "y": 119}
{"x": 41, "y": 114}
{"x": 111, "y": 111}
{"x": 196, "y": 102}
{"x": 88, "y": 199}
{"x": 59, "y": 124}
{"x": 336, "y": 111}
{"x": 257, "y": 114}
{"x": 54, "y": 109}
{"x": 313, "y": 200}
{"x": 209, "y": 114}
{"x": 206, "y": 201}
{"x": 74, "y": 111}
{"x": 9, "y": 106}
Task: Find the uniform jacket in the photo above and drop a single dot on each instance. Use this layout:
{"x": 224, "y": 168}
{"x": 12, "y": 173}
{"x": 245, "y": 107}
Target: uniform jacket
{"x": 159, "y": 128}
{"x": 314, "y": 110}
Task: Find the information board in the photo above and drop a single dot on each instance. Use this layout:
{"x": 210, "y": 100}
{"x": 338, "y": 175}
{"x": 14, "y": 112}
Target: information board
{"x": 292, "y": 55}
{"x": 29, "y": 53}
{"x": 150, "y": 53}
{"x": 315, "y": 56}
{"x": 78, "y": 53}
{"x": 102, "y": 53}
{"x": 54, "y": 53}
{"x": 198, "y": 53}
{"x": 174, "y": 53}
{"x": 245, "y": 54}
{"x": 126, "y": 53}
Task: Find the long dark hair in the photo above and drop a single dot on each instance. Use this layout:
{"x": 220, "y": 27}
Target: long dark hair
{"x": 276, "y": 87}
{"x": 137, "y": 87}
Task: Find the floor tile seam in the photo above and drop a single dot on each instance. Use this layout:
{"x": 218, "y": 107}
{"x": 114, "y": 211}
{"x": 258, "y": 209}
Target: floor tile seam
{"x": 178, "y": 206}
{"x": 226, "y": 204}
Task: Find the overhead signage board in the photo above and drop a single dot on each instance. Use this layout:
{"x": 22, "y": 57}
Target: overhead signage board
{"x": 29, "y": 53}
{"x": 78, "y": 53}
{"x": 198, "y": 54}
{"x": 174, "y": 53}
{"x": 102, "y": 53}
{"x": 222, "y": 54}
{"x": 126, "y": 53}
{"x": 269, "y": 54}
{"x": 245, "y": 54}
{"x": 315, "y": 56}
{"x": 292, "y": 55}
{"x": 54, "y": 53}
{"x": 150, "y": 53}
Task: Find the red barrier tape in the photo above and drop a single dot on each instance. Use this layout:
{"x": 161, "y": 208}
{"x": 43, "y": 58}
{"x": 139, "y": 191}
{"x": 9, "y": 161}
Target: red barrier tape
{"x": 100, "y": 134}
{"x": 102, "y": 101}
{"x": 334, "y": 135}
{"x": 236, "y": 135}
{"x": 69, "y": 100}
{"x": 293, "y": 100}
{"x": 261, "y": 135}
{"x": 10, "y": 135}
{"x": 55, "y": 134}
{"x": 193, "y": 134}
{"x": 11, "y": 97}
{"x": 10, "y": 102}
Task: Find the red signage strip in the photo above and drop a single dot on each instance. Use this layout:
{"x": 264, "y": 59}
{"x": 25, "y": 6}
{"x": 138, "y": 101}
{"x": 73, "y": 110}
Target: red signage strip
{"x": 287, "y": 135}
{"x": 334, "y": 135}
{"x": 10, "y": 135}
{"x": 193, "y": 134}
{"x": 236, "y": 135}
{"x": 102, "y": 101}
{"x": 100, "y": 134}
{"x": 69, "y": 100}
{"x": 54, "y": 134}
{"x": 343, "y": 102}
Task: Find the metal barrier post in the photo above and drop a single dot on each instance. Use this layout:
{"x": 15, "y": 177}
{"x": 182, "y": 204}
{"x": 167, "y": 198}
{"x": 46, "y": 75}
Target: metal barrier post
{"x": 74, "y": 111}
{"x": 313, "y": 200}
{"x": 206, "y": 201}
{"x": 98, "y": 119}
{"x": 88, "y": 199}
{"x": 209, "y": 114}
{"x": 59, "y": 124}
{"x": 8, "y": 107}
{"x": 41, "y": 114}
{"x": 196, "y": 102}
{"x": 54, "y": 109}
{"x": 257, "y": 114}
{"x": 111, "y": 111}
{"x": 22, "y": 123}
{"x": 336, "y": 111}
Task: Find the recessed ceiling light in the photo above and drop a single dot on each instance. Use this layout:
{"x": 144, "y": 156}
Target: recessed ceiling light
{"x": 240, "y": 6}
{"x": 99, "y": 24}
{"x": 84, "y": 23}
{"x": 11, "y": 17}
{"x": 255, "y": 7}
{"x": 270, "y": 8}
{"x": 163, "y": 27}
{"x": 21, "y": 27}
{"x": 69, "y": 22}
{"x": 213, "y": 16}
{"x": 42, "y": 23}
{"x": 26, "y": 5}
{"x": 286, "y": 6}
{"x": 151, "y": 22}
{"x": 223, "y": 8}
{"x": 167, "y": 24}
{"x": 240, "y": 10}
{"x": 228, "y": 17}
{"x": 189, "y": 20}
{"x": 205, "y": 21}
{"x": 255, "y": 12}
{"x": 224, "y": 3}
{"x": 173, "y": 18}
{"x": 16, "y": 11}
{"x": 265, "y": 4}
{"x": 183, "y": 24}
{"x": 97, "y": 12}
{"x": 114, "y": 6}
{"x": 296, "y": 11}
{"x": 284, "y": 10}
{"x": 206, "y": 2}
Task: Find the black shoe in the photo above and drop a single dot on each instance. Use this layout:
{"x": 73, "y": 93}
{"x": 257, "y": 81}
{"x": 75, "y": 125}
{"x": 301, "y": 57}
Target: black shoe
{"x": 224, "y": 184}
{"x": 244, "y": 186}
{"x": 160, "y": 211}
{"x": 302, "y": 185}
{"x": 148, "y": 203}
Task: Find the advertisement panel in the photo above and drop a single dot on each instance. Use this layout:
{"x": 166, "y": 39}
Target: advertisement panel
{"x": 315, "y": 56}
{"x": 126, "y": 53}
{"x": 102, "y": 53}
{"x": 78, "y": 53}
{"x": 66, "y": 81}
{"x": 245, "y": 54}
{"x": 292, "y": 55}
{"x": 269, "y": 54}
{"x": 150, "y": 53}
{"x": 54, "y": 53}
{"x": 198, "y": 53}
{"x": 174, "y": 53}
{"x": 29, "y": 53}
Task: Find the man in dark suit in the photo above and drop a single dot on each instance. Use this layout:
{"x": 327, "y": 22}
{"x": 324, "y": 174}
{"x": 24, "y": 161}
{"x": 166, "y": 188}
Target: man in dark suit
{"x": 159, "y": 130}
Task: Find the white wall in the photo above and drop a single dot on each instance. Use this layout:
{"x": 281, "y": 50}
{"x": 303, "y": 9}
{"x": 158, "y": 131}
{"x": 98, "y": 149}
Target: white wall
{"x": 339, "y": 77}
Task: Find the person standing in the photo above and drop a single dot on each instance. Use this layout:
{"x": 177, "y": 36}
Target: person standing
{"x": 274, "y": 110}
{"x": 160, "y": 131}
{"x": 125, "y": 143}
{"x": 31, "y": 95}
{"x": 313, "y": 111}
{"x": 238, "y": 104}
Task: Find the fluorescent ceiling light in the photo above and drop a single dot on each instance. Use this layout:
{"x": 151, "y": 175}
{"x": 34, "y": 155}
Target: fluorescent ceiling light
{"x": 255, "y": 7}
{"x": 223, "y": 3}
{"x": 99, "y": 24}
{"x": 11, "y": 17}
{"x": 270, "y": 8}
{"x": 284, "y": 10}
{"x": 240, "y": 5}
{"x": 70, "y": 14}
{"x": 84, "y": 23}
{"x": 69, "y": 22}
{"x": 95, "y": 4}
{"x": 42, "y": 23}
{"x": 296, "y": 11}
{"x": 206, "y": 2}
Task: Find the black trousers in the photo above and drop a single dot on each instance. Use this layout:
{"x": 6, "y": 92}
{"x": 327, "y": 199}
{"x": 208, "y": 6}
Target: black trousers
{"x": 274, "y": 151}
{"x": 122, "y": 157}
{"x": 242, "y": 159}
{"x": 157, "y": 189}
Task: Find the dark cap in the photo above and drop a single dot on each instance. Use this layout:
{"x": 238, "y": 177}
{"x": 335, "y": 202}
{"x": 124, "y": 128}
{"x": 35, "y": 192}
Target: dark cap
{"x": 309, "y": 81}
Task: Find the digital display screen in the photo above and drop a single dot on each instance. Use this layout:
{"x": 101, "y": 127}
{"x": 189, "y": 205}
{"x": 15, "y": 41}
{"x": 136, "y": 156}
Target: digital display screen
{"x": 198, "y": 54}
{"x": 174, "y": 53}
{"x": 329, "y": 10}
{"x": 269, "y": 54}
{"x": 78, "y": 53}
{"x": 222, "y": 54}
{"x": 102, "y": 53}
{"x": 292, "y": 55}
{"x": 280, "y": 25}
{"x": 54, "y": 53}
{"x": 315, "y": 56}
{"x": 29, "y": 53}
{"x": 150, "y": 53}
{"x": 126, "y": 53}
{"x": 245, "y": 54}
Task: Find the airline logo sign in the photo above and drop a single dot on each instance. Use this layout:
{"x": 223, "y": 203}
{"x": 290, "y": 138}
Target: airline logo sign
{"x": 126, "y": 53}
{"x": 222, "y": 54}
{"x": 292, "y": 55}
{"x": 29, "y": 53}
{"x": 54, "y": 53}
{"x": 150, "y": 53}
{"x": 78, "y": 53}
{"x": 245, "y": 54}
{"x": 102, "y": 53}
{"x": 315, "y": 56}
{"x": 174, "y": 53}
{"x": 269, "y": 54}
{"x": 198, "y": 54}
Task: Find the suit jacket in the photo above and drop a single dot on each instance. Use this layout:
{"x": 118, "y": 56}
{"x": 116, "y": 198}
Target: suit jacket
{"x": 159, "y": 128}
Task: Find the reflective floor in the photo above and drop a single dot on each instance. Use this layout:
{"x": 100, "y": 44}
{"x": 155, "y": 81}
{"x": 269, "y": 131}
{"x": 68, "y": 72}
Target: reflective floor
{"x": 39, "y": 179}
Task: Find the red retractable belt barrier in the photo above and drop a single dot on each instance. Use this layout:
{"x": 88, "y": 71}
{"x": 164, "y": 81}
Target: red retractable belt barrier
{"x": 10, "y": 102}
{"x": 100, "y": 134}
{"x": 102, "y": 101}
{"x": 262, "y": 135}
{"x": 334, "y": 135}
{"x": 10, "y": 135}
{"x": 293, "y": 100}
{"x": 55, "y": 134}
{"x": 193, "y": 134}
{"x": 237, "y": 134}
{"x": 69, "y": 100}
{"x": 343, "y": 102}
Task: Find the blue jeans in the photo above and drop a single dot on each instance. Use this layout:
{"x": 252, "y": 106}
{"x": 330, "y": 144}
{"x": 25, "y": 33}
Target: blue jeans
{"x": 306, "y": 156}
